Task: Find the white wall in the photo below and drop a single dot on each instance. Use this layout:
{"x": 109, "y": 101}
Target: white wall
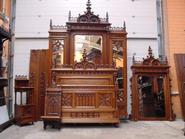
{"x": 32, "y": 16}
{"x": 32, "y": 24}
{"x": 22, "y": 53}
{"x": 4, "y": 114}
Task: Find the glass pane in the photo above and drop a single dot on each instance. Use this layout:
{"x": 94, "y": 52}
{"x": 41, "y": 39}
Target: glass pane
{"x": 151, "y": 96}
{"x": 93, "y": 46}
{"x": 57, "y": 53}
{"x": 117, "y": 50}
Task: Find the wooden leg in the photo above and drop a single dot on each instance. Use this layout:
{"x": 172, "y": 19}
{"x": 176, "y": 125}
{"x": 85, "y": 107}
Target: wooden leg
{"x": 116, "y": 125}
{"x": 45, "y": 124}
{"x": 59, "y": 125}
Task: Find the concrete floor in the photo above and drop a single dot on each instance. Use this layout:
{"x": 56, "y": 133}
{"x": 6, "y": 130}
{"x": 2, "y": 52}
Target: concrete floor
{"x": 127, "y": 130}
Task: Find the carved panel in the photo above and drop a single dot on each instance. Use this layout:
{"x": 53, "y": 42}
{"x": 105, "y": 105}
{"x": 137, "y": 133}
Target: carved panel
{"x": 121, "y": 101}
{"x": 42, "y": 83}
{"x": 28, "y": 111}
{"x": 67, "y": 99}
{"x": 53, "y": 104}
{"x": 105, "y": 99}
{"x": 85, "y": 99}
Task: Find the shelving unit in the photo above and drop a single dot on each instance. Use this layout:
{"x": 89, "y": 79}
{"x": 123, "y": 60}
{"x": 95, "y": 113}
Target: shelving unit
{"x": 24, "y": 108}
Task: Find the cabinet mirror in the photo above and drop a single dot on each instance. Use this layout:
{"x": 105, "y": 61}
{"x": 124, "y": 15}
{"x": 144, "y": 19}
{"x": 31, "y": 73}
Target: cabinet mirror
{"x": 151, "y": 96}
{"x": 93, "y": 46}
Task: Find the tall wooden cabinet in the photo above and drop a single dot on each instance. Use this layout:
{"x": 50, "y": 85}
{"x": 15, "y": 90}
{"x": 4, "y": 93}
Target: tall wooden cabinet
{"x": 150, "y": 84}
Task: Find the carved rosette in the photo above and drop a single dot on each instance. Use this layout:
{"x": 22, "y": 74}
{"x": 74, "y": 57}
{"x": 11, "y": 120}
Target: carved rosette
{"x": 105, "y": 100}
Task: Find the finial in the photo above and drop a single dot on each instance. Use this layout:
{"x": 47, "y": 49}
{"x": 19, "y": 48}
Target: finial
{"x": 69, "y": 16}
{"x": 133, "y": 58}
{"x": 107, "y": 17}
{"x": 88, "y": 6}
{"x": 84, "y": 55}
{"x": 51, "y": 24}
{"x": 150, "y": 52}
{"x": 124, "y": 25}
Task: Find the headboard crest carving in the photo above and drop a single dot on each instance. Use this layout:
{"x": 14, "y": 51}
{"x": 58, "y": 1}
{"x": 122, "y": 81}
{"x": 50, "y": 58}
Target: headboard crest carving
{"x": 84, "y": 64}
{"x": 88, "y": 16}
{"x": 150, "y": 60}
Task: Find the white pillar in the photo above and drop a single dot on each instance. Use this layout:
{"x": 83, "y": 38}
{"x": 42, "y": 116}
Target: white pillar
{"x": 4, "y": 6}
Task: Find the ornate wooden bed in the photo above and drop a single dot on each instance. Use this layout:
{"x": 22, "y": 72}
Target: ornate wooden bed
{"x": 88, "y": 92}
{"x": 85, "y": 57}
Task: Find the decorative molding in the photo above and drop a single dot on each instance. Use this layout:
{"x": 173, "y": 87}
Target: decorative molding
{"x": 21, "y": 77}
{"x": 85, "y": 114}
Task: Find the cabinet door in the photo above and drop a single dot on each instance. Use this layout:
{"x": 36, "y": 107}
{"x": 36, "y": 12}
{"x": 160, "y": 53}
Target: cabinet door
{"x": 39, "y": 79}
{"x": 180, "y": 70}
{"x": 53, "y": 102}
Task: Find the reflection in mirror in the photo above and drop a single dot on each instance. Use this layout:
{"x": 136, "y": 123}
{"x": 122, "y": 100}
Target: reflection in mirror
{"x": 117, "y": 49}
{"x": 151, "y": 96}
{"x": 57, "y": 53}
{"x": 93, "y": 46}
{"x": 117, "y": 53}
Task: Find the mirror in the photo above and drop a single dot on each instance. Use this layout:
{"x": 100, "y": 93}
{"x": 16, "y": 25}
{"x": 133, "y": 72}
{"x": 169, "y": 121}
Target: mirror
{"x": 57, "y": 53}
{"x": 151, "y": 96}
{"x": 117, "y": 50}
{"x": 93, "y": 46}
